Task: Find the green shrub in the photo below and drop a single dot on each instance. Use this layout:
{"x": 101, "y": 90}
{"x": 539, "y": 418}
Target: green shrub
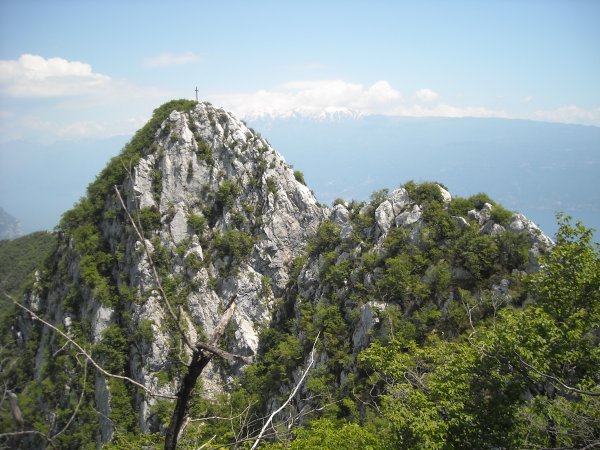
{"x": 272, "y": 186}
{"x": 149, "y": 219}
{"x": 424, "y": 192}
{"x": 234, "y": 243}
{"x": 460, "y": 206}
{"x": 327, "y": 238}
{"x": 379, "y": 197}
{"x": 197, "y": 223}
{"x": 299, "y": 177}
{"x": 501, "y": 215}
{"x": 204, "y": 152}
{"x": 227, "y": 192}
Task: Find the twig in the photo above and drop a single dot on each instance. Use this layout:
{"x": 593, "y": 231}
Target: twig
{"x": 291, "y": 396}
{"x": 207, "y": 442}
{"x": 22, "y": 433}
{"x": 557, "y": 380}
{"x": 78, "y": 403}
{"x": 154, "y": 272}
{"x": 34, "y": 316}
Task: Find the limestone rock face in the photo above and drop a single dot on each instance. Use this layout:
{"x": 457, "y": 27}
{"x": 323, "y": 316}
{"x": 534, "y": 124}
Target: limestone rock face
{"x": 220, "y": 215}
{"x": 398, "y": 211}
{"x": 539, "y": 241}
{"x": 212, "y": 187}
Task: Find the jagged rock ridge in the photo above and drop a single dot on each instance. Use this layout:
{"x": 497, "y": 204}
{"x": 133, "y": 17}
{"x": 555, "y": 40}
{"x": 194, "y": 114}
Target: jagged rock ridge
{"x": 223, "y": 215}
{"x": 208, "y": 186}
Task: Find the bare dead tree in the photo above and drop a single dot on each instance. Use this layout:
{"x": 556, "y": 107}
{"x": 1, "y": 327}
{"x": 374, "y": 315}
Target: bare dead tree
{"x": 202, "y": 353}
{"x": 201, "y": 356}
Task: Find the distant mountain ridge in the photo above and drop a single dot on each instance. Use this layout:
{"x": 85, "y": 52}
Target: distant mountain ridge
{"x": 537, "y": 168}
{"x": 10, "y": 227}
{"x": 534, "y": 167}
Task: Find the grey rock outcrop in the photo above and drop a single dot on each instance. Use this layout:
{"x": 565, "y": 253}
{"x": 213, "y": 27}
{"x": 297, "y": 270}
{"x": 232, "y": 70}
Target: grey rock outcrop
{"x": 205, "y": 164}
{"x": 222, "y": 217}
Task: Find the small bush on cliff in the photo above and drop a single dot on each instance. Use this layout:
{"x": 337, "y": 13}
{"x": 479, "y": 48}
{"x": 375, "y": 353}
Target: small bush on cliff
{"x": 235, "y": 244}
{"x": 299, "y": 177}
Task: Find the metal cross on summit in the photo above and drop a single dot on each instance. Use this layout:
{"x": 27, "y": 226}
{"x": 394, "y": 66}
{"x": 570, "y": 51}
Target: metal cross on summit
{"x": 196, "y": 93}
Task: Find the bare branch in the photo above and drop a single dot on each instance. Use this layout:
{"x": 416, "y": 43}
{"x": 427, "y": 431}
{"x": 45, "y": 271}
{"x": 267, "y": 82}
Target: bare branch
{"x": 558, "y": 381}
{"x": 207, "y": 442}
{"x": 34, "y": 316}
{"x": 24, "y": 433}
{"x": 291, "y": 396}
{"x": 223, "y": 322}
{"x": 68, "y": 424}
{"x": 155, "y": 273}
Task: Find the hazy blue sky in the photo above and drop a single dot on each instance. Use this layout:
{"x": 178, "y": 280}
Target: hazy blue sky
{"x": 72, "y": 69}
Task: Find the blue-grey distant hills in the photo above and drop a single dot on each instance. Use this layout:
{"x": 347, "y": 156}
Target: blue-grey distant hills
{"x": 10, "y": 228}
{"x": 534, "y": 167}
{"x": 38, "y": 182}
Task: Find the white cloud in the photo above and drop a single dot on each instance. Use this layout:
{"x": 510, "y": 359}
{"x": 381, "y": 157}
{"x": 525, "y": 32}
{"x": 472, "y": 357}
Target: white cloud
{"x": 332, "y": 97}
{"x": 83, "y": 103}
{"x": 327, "y": 97}
{"x": 426, "y": 95}
{"x": 312, "y": 98}
{"x": 570, "y": 114}
{"x": 171, "y": 59}
{"x": 528, "y": 99}
{"x": 35, "y": 76}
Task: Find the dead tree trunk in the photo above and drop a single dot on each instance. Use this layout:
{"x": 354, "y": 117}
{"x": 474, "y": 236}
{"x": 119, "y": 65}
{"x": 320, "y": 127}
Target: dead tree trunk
{"x": 198, "y": 363}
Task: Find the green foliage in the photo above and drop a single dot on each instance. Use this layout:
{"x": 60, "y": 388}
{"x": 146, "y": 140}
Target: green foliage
{"x": 327, "y": 238}
{"x": 116, "y": 170}
{"x": 144, "y": 334}
{"x": 501, "y": 215}
{"x": 460, "y": 206}
{"x": 149, "y": 219}
{"x": 521, "y": 381}
{"x": 337, "y": 274}
{"x": 227, "y": 192}
{"x": 19, "y": 258}
{"x": 401, "y": 282}
{"x": 326, "y": 434}
{"x": 204, "y": 152}
{"x": 235, "y": 244}
{"x": 299, "y": 177}
{"x": 156, "y": 180}
{"x": 478, "y": 255}
{"x": 272, "y": 186}
{"x": 424, "y": 192}
{"x": 379, "y": 197}
{"x": 513, "y": 250}
{"x": 197, "y": 223}
{"x": 113, "y": 349}
{"x": 122, "y": 412}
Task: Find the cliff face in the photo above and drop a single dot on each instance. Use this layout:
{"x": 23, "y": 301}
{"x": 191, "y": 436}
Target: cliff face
{"x": 224, "y": 216}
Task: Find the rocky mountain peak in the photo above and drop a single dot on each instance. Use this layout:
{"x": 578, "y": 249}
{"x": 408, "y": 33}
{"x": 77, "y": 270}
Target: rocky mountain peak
{"x": 202, "y": 208}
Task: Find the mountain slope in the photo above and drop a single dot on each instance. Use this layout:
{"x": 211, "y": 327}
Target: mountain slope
{"x": 223, "y": 218}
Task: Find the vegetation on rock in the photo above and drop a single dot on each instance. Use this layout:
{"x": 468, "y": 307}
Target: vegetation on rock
{"x": 430, "y": 324}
